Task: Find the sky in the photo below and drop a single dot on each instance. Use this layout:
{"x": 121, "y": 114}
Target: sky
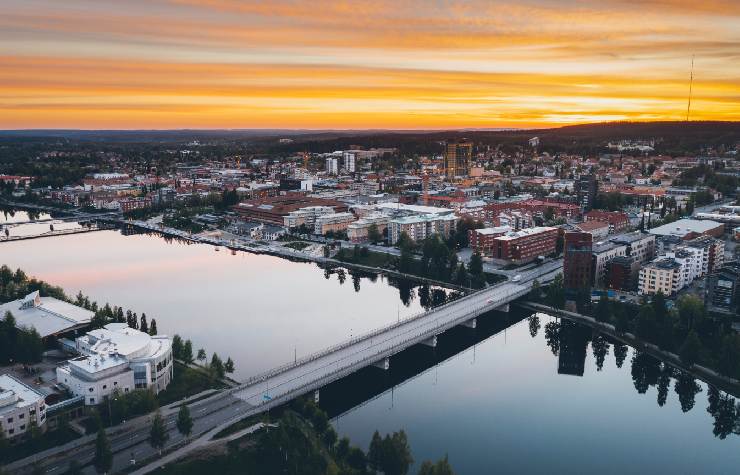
{"x": 389, "y": 64}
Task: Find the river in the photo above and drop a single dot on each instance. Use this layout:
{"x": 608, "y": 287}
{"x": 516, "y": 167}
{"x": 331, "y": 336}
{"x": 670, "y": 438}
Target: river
{"x": 514, "y": 395}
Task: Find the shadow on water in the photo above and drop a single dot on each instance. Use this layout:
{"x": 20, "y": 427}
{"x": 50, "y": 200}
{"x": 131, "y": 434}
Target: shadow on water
{"x": 363, "y": 386}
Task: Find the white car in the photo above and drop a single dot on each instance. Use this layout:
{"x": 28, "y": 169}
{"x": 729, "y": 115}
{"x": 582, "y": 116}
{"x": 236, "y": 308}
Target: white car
{"x": 516, "y": 278}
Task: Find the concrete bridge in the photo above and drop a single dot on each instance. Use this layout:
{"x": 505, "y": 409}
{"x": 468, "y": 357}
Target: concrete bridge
{"x": 308, "y": 374}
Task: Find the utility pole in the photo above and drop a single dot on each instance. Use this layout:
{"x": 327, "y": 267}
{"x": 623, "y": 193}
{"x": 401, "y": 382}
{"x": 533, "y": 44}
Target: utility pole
{"x": 691, "y": 84}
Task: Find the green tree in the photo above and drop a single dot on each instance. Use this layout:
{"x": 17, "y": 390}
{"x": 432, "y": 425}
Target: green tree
{"x": 442, "y": 467}
{"x": 187, "y": 351}
{"x": 461, "y": 276}
{"x": 184, "y": 421}
{"x": 690, "y": 349}
{"x": 229, "y": 365}
{"x": 729, "y": 356}
{"x": 555, "y": 294}
{"x": 158, "y": 435}
{"x": 177, "y": 347}
{"x": 396, "y": 454}
{"x": 103, "y": 460}
{"x": 202, "y": 355}
{"x": 144, "y": 327}
{"x": 373, "y": 234}
{"x": 603, "y": 313}
{"x": 217, "y": 366}
{"x": 691, "y": 311}
{"x": 153, "y": 327}
{"x": 375, "y": 452}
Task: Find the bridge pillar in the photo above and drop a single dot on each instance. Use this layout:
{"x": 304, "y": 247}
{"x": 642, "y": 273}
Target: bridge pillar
{"x": 383, "y": 364}
{"x": 316, "y": 396}
{"x": 472, "y": 323}
{"x": 503, "y": 308}
{"x": 432, "y": 342}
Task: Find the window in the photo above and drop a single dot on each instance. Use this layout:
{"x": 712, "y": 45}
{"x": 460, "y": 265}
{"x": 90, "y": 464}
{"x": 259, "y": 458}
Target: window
{"x": 10, "y": 420}
{"x": 23, "y": 427}
{"x": 11, "y": 431}
{"x": 105, "y": 386}
{"x": 21, "y": 416}
{"x": 92, "y": 400}
{"x": 90, "y": 389}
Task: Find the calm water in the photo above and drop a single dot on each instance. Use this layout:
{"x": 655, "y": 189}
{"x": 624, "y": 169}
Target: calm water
{"x": 260, "y": 310}
{"x": 495, "y": 399}
{"x": 17, "y": 223}
{"x": 505, "y": 405}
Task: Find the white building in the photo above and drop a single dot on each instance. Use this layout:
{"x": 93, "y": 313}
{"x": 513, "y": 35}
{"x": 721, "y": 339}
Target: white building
{"x": 117, "y": 358}
{"x": 358, "y": 230}
{"x": 602, "y": 253}
{"x": 306, "y": 216}
{"x": 49, "y": 316}
{"x": 662, "y": 275}
{"x": 349, "y": 159}
{"x": 332, "y": 222}
{"x": 419, "y": 227}
{"x": 332, "y": 166}
{"x": 21, "y": 406}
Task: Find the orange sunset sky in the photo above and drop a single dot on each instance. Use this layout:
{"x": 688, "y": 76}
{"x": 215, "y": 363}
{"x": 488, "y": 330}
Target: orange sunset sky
{"x": 364, "y": 64}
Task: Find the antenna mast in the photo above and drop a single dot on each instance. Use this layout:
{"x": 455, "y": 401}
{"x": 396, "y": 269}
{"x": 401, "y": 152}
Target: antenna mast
{"x": 691, "y": 84}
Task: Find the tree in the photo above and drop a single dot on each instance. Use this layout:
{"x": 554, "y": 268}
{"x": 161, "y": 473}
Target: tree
{"x": 475, "y": 267}
{"x": 202, "y": 355}
{"x": 158, "y": 435}
{"x": 555, "y": 295}
{"x": 184, "y": 421}
{"x": 690, "y": 349}
{"x": 187, "y": 351}
{"x": 729, "y": 356}
{"x": 177, "y": 347}
{"x": 691, "y": 311}
{"x": 442, "y": 467}
{"x": 461, "y": 276}
{"x": 602, "y": 313}
{"x": 103, "y": 460}
{"x": 152, "y": 327}
{"x": 217, "y": 366}
{"x": 229, "y": 365}
{"x": 144, "y": 327}
{"x": 373, "y": 234}
{"x": 375, "y": 452}
{"x": 396, "y": 454}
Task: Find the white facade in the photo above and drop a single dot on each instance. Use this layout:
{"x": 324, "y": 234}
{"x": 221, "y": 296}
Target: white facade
{"x": 332, "y": 166}
{"x": 663, "y": 275}
{"x": 601, "y": 255}
{"x": 117, "y": 358}
{"x": 332, "y": 222}
{"x": 349, "y": 159}
{"x": 306, "y": 216}
{"x": 21, "y": 406}
{"x": 420, "y": 227}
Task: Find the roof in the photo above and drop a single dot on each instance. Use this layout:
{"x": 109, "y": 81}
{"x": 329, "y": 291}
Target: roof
{"x": 15, "y": 394}
{"x": 496, "y": 230}
{"x": 683, "y": 227}
{"x": 525, "y": 232}
{"x": 592, "y": 225}
{"x": 48, "y": 315}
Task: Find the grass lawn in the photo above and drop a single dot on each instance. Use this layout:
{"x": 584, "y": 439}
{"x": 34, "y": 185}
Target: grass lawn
{"x": 298, "y": 245}
{"x": 47, "y": 440}
{"x": 369, "y": 258}
{"x": 186, "y": 382}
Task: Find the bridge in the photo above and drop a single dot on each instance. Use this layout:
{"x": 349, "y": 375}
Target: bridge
{"x": 309, "y": 374}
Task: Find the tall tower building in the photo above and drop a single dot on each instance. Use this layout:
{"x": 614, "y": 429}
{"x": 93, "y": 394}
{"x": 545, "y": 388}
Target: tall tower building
{"x": 458, "y": 156}
{"x": 577, "y": 270}
{"x": 586, "y": 189}
{"x": 349, "y": 157}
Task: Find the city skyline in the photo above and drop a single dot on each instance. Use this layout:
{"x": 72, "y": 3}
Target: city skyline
{"x": 363, "y": 64}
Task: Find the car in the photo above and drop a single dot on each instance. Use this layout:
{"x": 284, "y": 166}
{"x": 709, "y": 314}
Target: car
{"x": 516, "y": 278}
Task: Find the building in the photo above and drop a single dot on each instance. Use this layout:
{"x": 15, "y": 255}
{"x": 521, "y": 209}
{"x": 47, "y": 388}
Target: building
{"x": 48, "y": 315}
{"x": 598, "y": 229}
{"x": 723, "y": 289}
{"x": 691, "y": 264}
{"x": 616, "y": 220}
{"x": 332, "y": 166}
{"x": 458, "y": 156}
{"x": 358, "y": 230}
{"x": 520, "y": 247}
{"x": 272, "y": 210}
{"x": 333, "y": 222}
{"x": 662, "y": 275}
{"x": 713, "y": 252}
{"x": 687, "y": 229}
{"x": 419, "y": 227}
{"x": 482, "y": 240}
{"x": 586, "y": 189}
{"x": 306, "y": 216}
{"x": 349, "y": 160}
{"x": 601, "y": 254}
{"x": 21, "y": 407}
{"x": 577, "y": 270}
{"x": 622, "y": 273}
{"x": 130, "y": 204}
{"x": 117, "y": 358}
{"x": 640, "y": 245}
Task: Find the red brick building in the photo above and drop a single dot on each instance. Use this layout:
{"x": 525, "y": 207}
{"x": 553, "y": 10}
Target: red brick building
{"x": 490, "y": 212}
{"x": 482, "y": 240}
{"x": 520, "y": 247}
{"x": 273, "y": 209}
{"x": 617, "y": 221}
{"x": 577, "y": 271}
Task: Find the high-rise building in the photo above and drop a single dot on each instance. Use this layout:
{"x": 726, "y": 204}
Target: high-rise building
{"x": 332, "y": 166}
{"x": 349, "y": 160}
{"x": 586, "y": 189}
{"x": 723, "y": 289}
{"x": 577, "y": 270}
{"x": 458, "y": 156}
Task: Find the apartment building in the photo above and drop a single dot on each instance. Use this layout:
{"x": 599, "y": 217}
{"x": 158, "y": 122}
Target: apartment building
{"x": 419, "y": 227}
{"x": 21, "y": 406}
{"x": 520, "y": 247}
{"x": 333, "y": 222}
{"x": 662, "y": 275}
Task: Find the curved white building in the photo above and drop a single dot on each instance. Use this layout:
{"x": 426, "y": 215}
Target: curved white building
{"x": 117, "y": 357}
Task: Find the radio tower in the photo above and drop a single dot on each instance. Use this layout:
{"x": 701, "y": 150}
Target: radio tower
{"x": 691, "y": 84}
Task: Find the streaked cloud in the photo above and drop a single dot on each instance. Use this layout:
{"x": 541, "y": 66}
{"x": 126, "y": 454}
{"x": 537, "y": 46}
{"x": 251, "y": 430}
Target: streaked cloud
{"x": 329, "y": 63}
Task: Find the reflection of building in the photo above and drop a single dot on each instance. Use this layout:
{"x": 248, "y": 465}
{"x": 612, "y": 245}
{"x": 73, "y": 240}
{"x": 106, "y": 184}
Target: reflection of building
{"x": 723, "y": 289}
{"x": 20, "y": 407}
{"x": 458, "y": 156}
{"x": 117, "y": 358}
{"x": 573, "y": 340}
{"x": 577, "y": 250}
{"x": 586, "y": 189}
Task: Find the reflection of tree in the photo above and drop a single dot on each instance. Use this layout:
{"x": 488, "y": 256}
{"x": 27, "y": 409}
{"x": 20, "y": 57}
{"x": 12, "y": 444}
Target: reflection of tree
{"x": 552, "y": 336}
{"x": 405, "y": 289}
{"x": 356, "y": 282}
{"x": 620, "y": 353}
{"x": 341, "y": 275}
{"x": 327, "y": 273}
{"x": 725, "y": 411}
{"x": 425, "y": 298}
{"x": 664, "y": 383}
{"x": 534, "y": 324}
{"x": 600, "y": 347}
{"x": 645, "y": 371}
{"x": 687, "y": 388}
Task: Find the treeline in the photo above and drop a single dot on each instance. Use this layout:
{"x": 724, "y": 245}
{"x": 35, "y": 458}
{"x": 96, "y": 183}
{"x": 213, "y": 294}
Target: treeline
{"x": 19, "y": 345}
{"x": 182, "y": 350}
{"x": 439, "y": 260}
{"x": 687, "y": 330}
{"x": 707, "y": 176}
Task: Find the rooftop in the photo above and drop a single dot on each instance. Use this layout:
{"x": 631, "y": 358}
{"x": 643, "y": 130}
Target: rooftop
{"x": 525, "y": 232}
{"x": 49, "y": 316}
{"x": 15, "y": 394}
{"x": 683, "y": 227}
